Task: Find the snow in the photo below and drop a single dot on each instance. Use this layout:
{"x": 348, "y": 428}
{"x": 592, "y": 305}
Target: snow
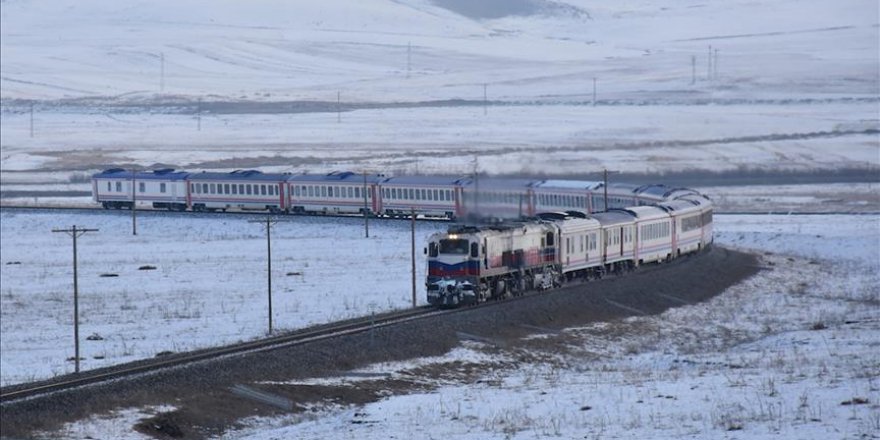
{"x": 208, "y": 288}
{"x": 796, "y": 87}
{"x": 747, "y": 364}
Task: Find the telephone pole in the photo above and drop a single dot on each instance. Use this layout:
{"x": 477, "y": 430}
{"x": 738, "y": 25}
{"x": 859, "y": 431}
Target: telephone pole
{"x": 74, "y": 232}
{"x": 594, "y": 91}
{"x": 269, "y": 221}
{"x": 413, "y": 249}
{"x": 161, "y": 71}
{"x": 366, "y": 210}
{"x": 605, "y": 173}
{"x": 133, "y": 202}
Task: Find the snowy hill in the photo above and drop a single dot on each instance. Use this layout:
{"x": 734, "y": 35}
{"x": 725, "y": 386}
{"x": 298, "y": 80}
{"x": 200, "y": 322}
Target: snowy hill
{"x": 273, "y": 50}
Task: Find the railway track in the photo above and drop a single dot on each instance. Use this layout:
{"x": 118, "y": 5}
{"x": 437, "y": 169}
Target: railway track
{"x": 16, "y": 393}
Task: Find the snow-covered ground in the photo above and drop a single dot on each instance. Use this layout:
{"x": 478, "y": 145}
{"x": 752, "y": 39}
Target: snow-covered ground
{"x": 208, "y": 286}
{"x": 788, "y": 353}
{"x": 785, "y": 72}
{"x": 795, "y": 86}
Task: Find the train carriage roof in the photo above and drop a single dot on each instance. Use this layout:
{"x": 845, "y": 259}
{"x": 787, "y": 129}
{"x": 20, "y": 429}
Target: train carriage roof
{"x": 121, "y": 173}
{"x": 645, "y": 212}
{"x": 611, "y": 218}
{"x": 426, "y": 180}
{"x": 243, "y": 175}
{"x": 498, "y": 183}
{"x": 554, "y": 184}
{"x": 680, "y": 206}
{"x": 346, "y": 177}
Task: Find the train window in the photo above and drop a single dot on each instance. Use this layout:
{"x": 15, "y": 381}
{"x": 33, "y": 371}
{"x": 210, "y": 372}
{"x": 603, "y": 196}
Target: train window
{"x": 248, "y": 189}
{"x": 108, "y": 186}
{"x": 453, "y": 246}
{"x": 161, "y": 187}
{"x": 142, "y": 187}
{"x": 424, "y": 195}
{"x": 212, "y": 188}
{"x": 550, "y": 239}
{"x": 234, "y": 189}
{"x": 350, "y": 192}
{"x": 418, "y": 195}
{"x": 475, "y": 250}
{"x": 311, "y": 190}
{"x": 412, "y": 194}
{"x": 118, "y": 186}
{"x": 296, "y": 190}
{"x": 432, "y": 249}
{"x": 357, "y": 192}
{"x": 323, "y": 191}
{"x": 262, "y": 190}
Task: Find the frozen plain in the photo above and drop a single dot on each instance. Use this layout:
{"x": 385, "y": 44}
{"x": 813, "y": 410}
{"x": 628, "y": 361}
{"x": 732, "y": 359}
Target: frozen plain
{"x": 787, "y": 71}
{"x": 777, "y": 355}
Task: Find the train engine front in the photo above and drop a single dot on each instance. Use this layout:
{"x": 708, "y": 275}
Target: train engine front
{"x": 468, "y": 265}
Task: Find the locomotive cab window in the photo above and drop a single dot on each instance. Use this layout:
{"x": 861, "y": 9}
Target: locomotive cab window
{"x": 475, "y": 250}
{"x": 432, "y": 249}
{"x": 550, "y": 239}
{"x": 454, "y": 246}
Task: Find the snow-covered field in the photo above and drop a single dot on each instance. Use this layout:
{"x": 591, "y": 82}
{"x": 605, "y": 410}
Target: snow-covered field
{"x": 208, "y": 286}
{"x": 788, "y": 353}
{"x": 786, "y": 74}
{"x": 793, "y": 85}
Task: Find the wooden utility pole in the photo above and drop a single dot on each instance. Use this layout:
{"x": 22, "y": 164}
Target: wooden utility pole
{"x": 413, "y": 249}
{"x": 366, "y": 210}
{"x": 74, "y": 232}
{"x": 133, "y": 202}
{"x": 594, "y": 91}
{"x": 269, "y": 221}
{"x": 605, "y": 173}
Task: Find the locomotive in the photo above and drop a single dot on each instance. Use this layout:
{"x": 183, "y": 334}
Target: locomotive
{"x": 469, "y": 265}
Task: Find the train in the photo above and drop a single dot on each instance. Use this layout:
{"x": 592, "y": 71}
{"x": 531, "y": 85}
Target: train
{"x": 541, "y": 233}
{"x": 349, "y": 193}
{"x": 474, "y": 264}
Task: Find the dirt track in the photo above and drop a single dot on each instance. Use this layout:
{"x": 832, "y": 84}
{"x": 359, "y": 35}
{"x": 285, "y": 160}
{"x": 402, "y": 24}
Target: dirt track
{"x": 206, "y": 406}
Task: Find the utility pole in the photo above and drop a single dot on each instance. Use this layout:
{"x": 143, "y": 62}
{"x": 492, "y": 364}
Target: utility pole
{"x": 74, "y": 232}
{"x": 605, "y": 173}
{"x": 269, "y": 223}
{"x": 594, "y": 91}
{"x": 161, "y": 71}
{"x": 32, "y": 119}
{"x": 693, "y": 69}
{"x": 366, "y": 210}
{"x": 715, "y": 65}
{"x": 413, "y": 248}
{"x": 476, "y": 187}
{"x": 709, "y": 66}
{"x": 134, "y": 230}
{"x": 485, "y": 99}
